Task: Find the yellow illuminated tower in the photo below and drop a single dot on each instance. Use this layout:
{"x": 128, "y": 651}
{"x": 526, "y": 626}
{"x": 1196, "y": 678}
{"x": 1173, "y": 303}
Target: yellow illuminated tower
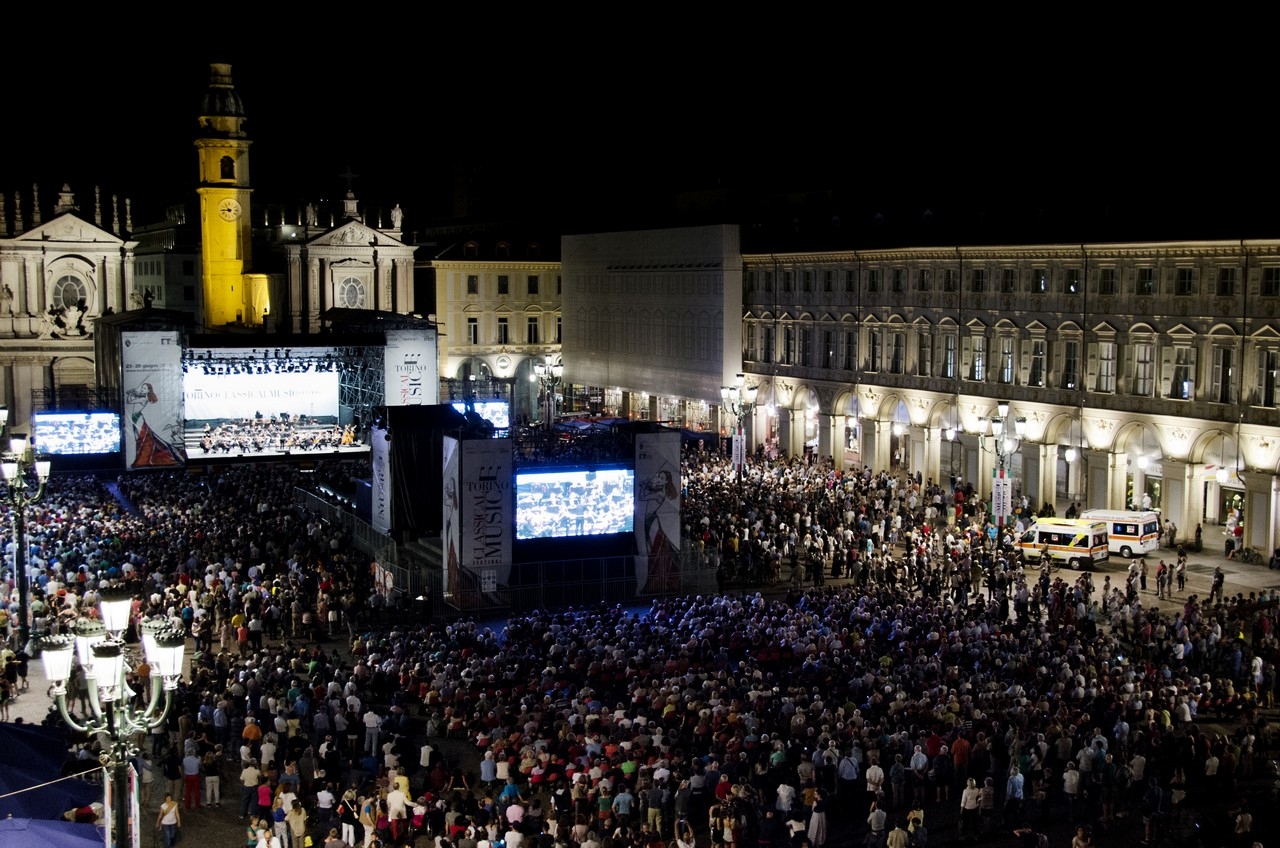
{"x": 223, "y": 149}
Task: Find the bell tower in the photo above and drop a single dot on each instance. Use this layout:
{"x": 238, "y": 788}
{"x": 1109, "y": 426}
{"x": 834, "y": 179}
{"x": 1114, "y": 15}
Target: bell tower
{"x": 223, "y": 149}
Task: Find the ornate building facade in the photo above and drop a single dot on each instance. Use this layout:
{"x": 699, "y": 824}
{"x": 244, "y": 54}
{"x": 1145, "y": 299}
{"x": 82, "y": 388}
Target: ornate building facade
{"x": 1143, "y": 372}
{"x": 498, "y": 304}
{"x": 56, "y": 277}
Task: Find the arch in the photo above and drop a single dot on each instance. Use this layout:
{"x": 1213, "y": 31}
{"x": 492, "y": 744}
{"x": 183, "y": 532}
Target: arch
{"x": 1222, "y": 329}
{"x": 942, "y": 413}
{"x": 1213, "y": 447}
{"x": 1062, "y": 429}
{"x": 474, "y": 365}
{"x": 69, "y": 280}
{"x": 847, "y": 403}
{"x": 1138, "y": 439}
{"x": 805, "y": 398}
{"x": 1005, "y": 324}
{"x": 72, "y": 371}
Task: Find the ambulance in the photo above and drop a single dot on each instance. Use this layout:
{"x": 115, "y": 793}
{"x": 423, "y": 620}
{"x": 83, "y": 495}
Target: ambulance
{"x": 1077, "y": 542}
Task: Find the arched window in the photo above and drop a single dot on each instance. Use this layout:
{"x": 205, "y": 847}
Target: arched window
{"x": 68, "y": 291}
{"x": 228, "y": 168}
{"x": 351, "y": 293}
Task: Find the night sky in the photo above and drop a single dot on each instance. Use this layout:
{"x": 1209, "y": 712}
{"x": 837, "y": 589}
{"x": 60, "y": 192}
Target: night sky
{"x": 618, "y": 136}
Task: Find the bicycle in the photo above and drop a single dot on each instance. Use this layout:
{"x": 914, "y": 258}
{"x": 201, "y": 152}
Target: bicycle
{"x": 1251, "y": 556}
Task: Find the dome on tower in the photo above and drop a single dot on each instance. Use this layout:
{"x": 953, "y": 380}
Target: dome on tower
{"x": 221, "y": 99}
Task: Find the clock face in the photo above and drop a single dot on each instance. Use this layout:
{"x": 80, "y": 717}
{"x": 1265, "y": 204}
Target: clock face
{"x": 229, "y": 209}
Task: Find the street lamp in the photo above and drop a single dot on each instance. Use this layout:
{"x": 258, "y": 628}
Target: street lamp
{"x": 15, "y": 469}
{"x": 549, "y": 374}
{"x": 115, "y": 720}
{"x": 739, "y": 400}
{"x": 1007, "y": 433}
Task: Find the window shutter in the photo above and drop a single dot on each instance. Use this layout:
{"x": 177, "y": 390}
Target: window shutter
{"x": 1091, "y": 367}
{"x": 1127, "y": 354}
{"x": 1193, "y": 361}
{"x": 966, "y": 356}
{"x": 1024, "y": 360}
{"x": 1166, "y": 370}
{"x": 1259, "y": 375}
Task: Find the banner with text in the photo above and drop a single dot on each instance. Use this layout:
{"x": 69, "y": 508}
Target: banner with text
{"x": 152, "y": 386}
{"x": 451, "y": 536}
{"x": 380, "y": 457}
{"x": 411, "y": 375}
{"x": 657, "y": 524}
{"x": 1001, "y": 495}
{"x": 488, "y": 509}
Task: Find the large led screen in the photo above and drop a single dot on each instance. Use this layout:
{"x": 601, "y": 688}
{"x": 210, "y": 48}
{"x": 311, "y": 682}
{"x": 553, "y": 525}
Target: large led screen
{"x": 562, "y": 503}
{"x": 72, "y": 433}
{"x": 493, "y": 411}
{"x": 241, "y": 396}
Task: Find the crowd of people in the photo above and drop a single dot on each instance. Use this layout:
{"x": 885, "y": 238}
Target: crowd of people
{"x": 943, "y": 685}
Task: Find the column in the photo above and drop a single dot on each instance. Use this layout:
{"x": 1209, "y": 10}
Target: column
{"x": 311, "y": 323}
{"x": 34, "y": 302}
{"x": 884, "y": 446}
{"x": 1117, "y": 469}
{"x": 1047, "y": 490}
{"x": 1174, "y": 507}
{"x": 384, "y": 282}
{"x": 931, "y": 463}
{"x": 826, "y": 437}
{"x": 653, "y": 407}
{"x": 1032, "y": 472}
{"x": 1259, "y": 511}
{"x": 113, "y": 282}
{"x": 127, "y": 278}
{"x": 404, "y": 282}
{"x": 289, "y": 321}
{"x": 784, "y": 431}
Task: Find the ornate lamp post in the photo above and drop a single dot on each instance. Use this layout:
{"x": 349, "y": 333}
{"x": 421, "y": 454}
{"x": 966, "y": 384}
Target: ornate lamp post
{"x": 739, "y": 400}
{"x": 550, "y": 375}
{"x": 17, "y": 491}
{"x": 1007, "y": 435}
{"x": 115, "y": 718}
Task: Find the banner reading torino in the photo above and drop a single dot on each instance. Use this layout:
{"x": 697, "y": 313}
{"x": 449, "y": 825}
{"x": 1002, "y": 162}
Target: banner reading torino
{"x": 152, "y": 386}
{"x": 410, "y": 357}
{"x": 657, "y": 524}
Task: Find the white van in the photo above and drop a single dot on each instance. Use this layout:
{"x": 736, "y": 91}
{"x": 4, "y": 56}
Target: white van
{"x": 1077, "y": 542}
{"x": 1129, "y": 533}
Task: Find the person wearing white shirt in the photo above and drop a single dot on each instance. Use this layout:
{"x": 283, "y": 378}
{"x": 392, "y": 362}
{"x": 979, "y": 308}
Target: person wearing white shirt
{"x": 397, "y": 811}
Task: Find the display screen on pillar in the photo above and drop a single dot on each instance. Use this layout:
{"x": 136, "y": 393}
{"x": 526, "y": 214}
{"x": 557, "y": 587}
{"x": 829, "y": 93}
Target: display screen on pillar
{"x": 77, "y": 433}
{"x": 574, "y": 502}
{"x": 493, "y": 411}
